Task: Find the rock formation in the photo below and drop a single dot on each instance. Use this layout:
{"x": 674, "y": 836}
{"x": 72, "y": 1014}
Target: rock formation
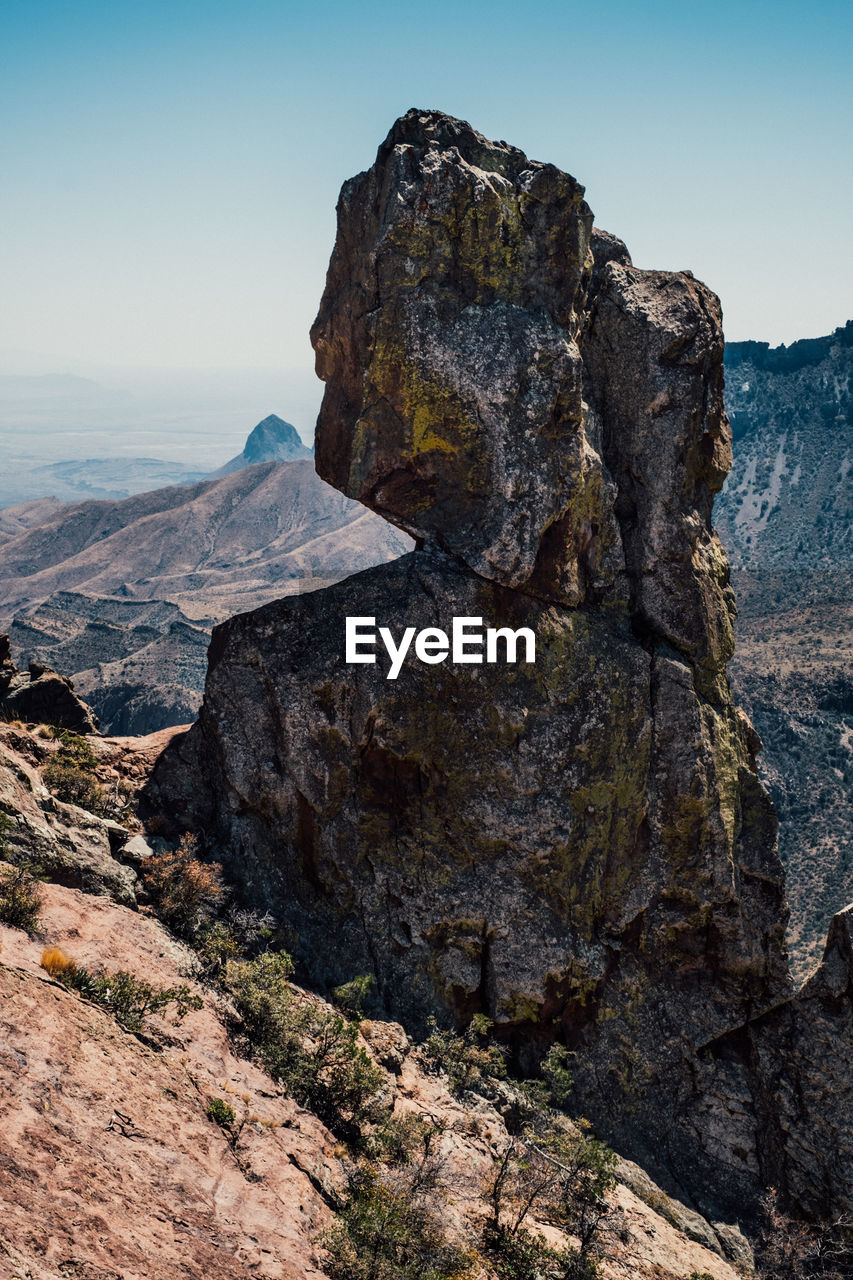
{"x": 41, "y": 695}
{"x": 579, "y": 847}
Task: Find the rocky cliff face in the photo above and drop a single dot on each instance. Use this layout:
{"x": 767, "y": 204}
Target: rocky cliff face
{"x": 787, "y": 504}
{"x": 41, "y": 695}
{"x": 786, "y": 518}
{"x": 579, "y": 847}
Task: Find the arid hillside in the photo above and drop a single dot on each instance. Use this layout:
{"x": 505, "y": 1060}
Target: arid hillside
{"x": 122, "y": 595}
{"x": 138, "y": 1145}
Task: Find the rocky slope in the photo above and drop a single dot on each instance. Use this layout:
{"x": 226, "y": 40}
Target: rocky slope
{"x": 785, "y": 516}
{"x": 89, "y": 587}
{"x": 211, "y": 542}
{"x": 112, "y": 1165}
{"x": 789, "y": 502}
{"x": 793, "y": 672}
{"x": 579, "y": 847}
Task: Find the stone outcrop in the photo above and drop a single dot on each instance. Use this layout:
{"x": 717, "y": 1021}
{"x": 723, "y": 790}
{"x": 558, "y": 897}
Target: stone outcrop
{"x": 579, "y": 847}
{"x": 41, "y": 696}
{"x": 70, "y": 845}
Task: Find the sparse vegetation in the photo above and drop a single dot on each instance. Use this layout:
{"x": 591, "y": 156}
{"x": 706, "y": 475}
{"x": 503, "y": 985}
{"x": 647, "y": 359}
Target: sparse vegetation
{"x": 186, "y": 890}
{"x": 221, "y": 1112}
{"x": 70, "y": 774}
{"x": 56, "y": 962}
{"x": 390, "y": 1226}
{"x": 20, "y": 891}
{"x": 350, "y": 997}
{"x": 129, "y": 999}
{"x": 236, "y": 937}
{"x": 552, "y": 1168}
{"x": 788, "y": 1249}
{"x": 468, "y": 1060}
{"x": 307, "y": 1046}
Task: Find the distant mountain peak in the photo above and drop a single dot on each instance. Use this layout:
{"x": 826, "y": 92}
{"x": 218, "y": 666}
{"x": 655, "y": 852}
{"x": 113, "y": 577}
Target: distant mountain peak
{"x": 272, "y": 440}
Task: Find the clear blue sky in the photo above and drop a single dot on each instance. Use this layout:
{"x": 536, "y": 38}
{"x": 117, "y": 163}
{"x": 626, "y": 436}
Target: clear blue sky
{"x": 169, "y": 170}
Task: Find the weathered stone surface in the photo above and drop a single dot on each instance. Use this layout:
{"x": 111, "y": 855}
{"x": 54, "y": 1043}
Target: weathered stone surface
{"x": 41, "y": 696}
{"x": 654, "y": 349}
{"x": 447, "y": 338}
{"x": 577, "y": 848}
{"x": 580, "y": 848}
{"x": 805, "y": 1051}
{"x": 72, "y": 846}
{"x": 484, "y": 834}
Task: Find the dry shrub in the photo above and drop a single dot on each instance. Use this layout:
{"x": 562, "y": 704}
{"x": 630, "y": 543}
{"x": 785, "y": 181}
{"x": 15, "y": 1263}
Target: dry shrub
{"x": 55, "y": 961}
{"x": 186, "y": 890}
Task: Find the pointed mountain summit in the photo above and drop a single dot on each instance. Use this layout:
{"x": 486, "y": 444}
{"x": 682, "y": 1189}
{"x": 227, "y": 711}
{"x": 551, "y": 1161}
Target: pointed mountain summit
{"x": 272, "y": 440}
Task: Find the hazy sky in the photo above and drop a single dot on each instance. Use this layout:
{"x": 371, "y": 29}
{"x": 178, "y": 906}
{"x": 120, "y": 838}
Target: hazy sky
{"x": 169, "y": 170}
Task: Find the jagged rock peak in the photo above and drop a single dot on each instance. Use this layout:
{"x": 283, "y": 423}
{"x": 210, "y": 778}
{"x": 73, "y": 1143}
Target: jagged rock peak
{"x": 466, "y": 338}
{"x": 41, "y": 696}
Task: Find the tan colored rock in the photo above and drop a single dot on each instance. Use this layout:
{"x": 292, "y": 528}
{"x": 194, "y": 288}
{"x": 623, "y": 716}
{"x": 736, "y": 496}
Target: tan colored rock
{"x": 112, "y": 1169}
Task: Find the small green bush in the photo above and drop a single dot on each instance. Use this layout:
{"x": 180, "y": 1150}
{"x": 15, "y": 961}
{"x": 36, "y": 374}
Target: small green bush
{"x": 556, "y": 1171}
{"x": 351, "y": 996}
{"x": 129, "y": 999}
{"x": 309, "y": 1048}
{"x": 70, "y": 774}
{"x": 557, "y": 1076}
{"x": 391, "y": 1226}
{"x": 220, "y": 1112}
{"x": 401, "y": 1139}
{"x": 525, "y": 1255}
{"x": 469, "y": 1060}
{"x": 239, "y": 936}
{"x": 20, "y": 898}
{"x": 217, "y": 946}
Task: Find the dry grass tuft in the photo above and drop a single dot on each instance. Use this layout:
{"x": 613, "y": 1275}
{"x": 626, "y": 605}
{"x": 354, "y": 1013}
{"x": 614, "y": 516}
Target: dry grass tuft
{"x": 55, "y": 961}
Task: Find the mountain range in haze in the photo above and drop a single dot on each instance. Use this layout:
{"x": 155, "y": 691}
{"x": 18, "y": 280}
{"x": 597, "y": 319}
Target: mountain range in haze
{"x": 116, "y": 593}
{"x": 115, "y": 432}
{"x": 272, "y": 440}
